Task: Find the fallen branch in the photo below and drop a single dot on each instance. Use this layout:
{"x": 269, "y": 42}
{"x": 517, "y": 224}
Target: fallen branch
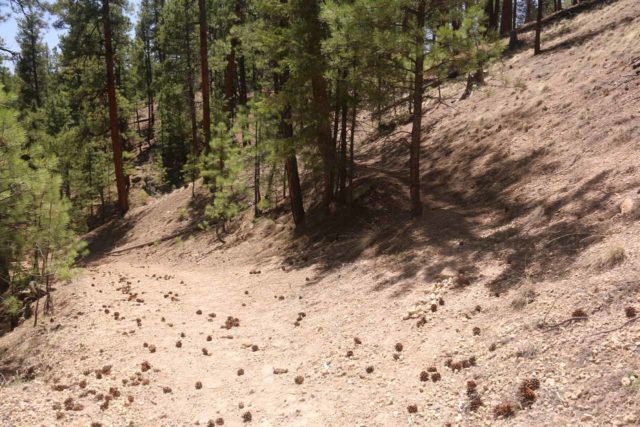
{"x": 564, "y": 322}
{"x": 625, "y": 324}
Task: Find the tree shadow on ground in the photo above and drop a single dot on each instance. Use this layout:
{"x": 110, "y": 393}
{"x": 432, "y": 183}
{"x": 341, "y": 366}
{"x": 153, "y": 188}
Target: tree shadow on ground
{"x": 474, "y": 213}
{"x": 583, "y": 38}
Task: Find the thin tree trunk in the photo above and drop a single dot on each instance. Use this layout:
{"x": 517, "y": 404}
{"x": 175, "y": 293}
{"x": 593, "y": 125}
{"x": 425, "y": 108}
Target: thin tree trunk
{"x": 416, "y": 130}
{"x": 116, "y": 143}
{"x": 34, "y": 65}
{"x": 496, "y": 15}
{"x": 342, "y": 171}
{"x": 204, "y": 72}
{"x": 336, "y": 112}
{"x": 351, "y": 141}
{"x": 256, "y": 172}
{"x": 537, "y": 48}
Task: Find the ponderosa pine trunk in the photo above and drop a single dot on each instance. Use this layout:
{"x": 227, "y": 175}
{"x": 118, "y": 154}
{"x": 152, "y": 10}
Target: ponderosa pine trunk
{"x": 507, "y": 16}
{"x": 229, "y": 73}
{"x": 354, "y": 113}
{"x": 116, "y": 143}
{"x": 291, "y": 162}
{"x": 513, "y": 35}
{"x": 191, "y": 98}
{"x": 416, "y": 128}
{"x": 242, "y": 80}
{"x": 204, "y": 72}
{"x": 342, "y": 169}
{"x": 537, "y": 49}
{"x": 310, "y": 15}
{"x": 496, "y": 15}
{"x": 256, "y": 171}
{"x": 529, "y": 13}
{"x": 490, "y": 13}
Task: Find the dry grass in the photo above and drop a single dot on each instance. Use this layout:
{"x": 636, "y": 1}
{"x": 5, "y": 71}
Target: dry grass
{"x": 613, "y": 257}
{"x": 525, "y": 296}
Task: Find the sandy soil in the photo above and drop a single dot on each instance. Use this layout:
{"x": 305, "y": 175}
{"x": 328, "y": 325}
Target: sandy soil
{"x": 523, "y": 188}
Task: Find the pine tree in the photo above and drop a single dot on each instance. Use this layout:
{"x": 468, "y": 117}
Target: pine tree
{"x": 31, "y": 66}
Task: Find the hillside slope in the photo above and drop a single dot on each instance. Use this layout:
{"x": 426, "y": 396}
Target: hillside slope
{"x": 529, "y": 189}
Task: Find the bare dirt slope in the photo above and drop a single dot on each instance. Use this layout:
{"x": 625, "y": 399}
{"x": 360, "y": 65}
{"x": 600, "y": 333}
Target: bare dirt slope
{"x": 524, "y": 185}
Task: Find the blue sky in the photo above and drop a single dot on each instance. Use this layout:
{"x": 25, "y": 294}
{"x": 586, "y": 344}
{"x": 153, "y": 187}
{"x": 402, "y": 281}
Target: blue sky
{"x": 9, "y": 29}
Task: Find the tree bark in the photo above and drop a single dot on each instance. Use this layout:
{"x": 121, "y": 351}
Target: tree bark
{"x": 529, "y": 14}
{"x": 416, "y": 129}
{"x": 351, "y": 141}
{"x": 491, "y": 15}
{"x": 513, "y": 35}
{"x": 191, "y": 98}
{"x": 229, "y": 104}
{"x": 204, "y": 72}
{"x": 342, "y": 170}
{"x": 291, "y": 162}
{"x": 537, "y": 48}
{"x": 310, "y": 14}
{"x": 116, "y": 143}
{"x": 507, "y": 16}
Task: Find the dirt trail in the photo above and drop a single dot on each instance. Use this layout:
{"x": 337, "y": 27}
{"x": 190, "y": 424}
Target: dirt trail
{"x": 522, "y": 188}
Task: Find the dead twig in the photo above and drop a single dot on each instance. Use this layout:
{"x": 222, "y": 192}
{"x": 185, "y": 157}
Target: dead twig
{"x": 564, "y": 322}
{"x": 625, "y": 324}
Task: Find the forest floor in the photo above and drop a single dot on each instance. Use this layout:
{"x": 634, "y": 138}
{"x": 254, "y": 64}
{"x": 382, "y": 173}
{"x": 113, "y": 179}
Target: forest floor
{"x": 531, "y": 205}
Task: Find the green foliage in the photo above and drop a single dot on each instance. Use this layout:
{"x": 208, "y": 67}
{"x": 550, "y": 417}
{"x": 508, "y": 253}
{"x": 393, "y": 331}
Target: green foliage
{"x": 222, "y": 170}
{"x": 34, "y": 217}
{"x": 11, "y": 305}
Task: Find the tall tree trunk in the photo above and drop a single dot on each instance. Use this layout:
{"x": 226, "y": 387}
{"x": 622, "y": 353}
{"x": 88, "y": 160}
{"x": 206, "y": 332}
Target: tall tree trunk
{"x": 34, "y": 66}
{"x": 513, "y": 35}
{"x": 256, "y": 171}
{"x": 496, "y": 15}
{"x": 507, "y": 16}
{"x": 150, "y": 112}
{"x": 342, "y": 170}
{"x": 529, "y": 13}
{"x": 537, "y": 48}
{"x": 242, "y": 80}
{"x": 489, "y": 10}
{"x": 242, "y": 72}
{"x": 291, "y": 162}
{"x": 310, "y": 14}
{"x": 116, "y": 143}
{"x": 191, "y": 98}
{"x": 295, "y": 191}
{"x": 351, "y": 141}
{"x": 336, "y": 112}
{"x": 416, "y": 129}
{"x": 229, "y": 104}
{"x": 204, "y": 72}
